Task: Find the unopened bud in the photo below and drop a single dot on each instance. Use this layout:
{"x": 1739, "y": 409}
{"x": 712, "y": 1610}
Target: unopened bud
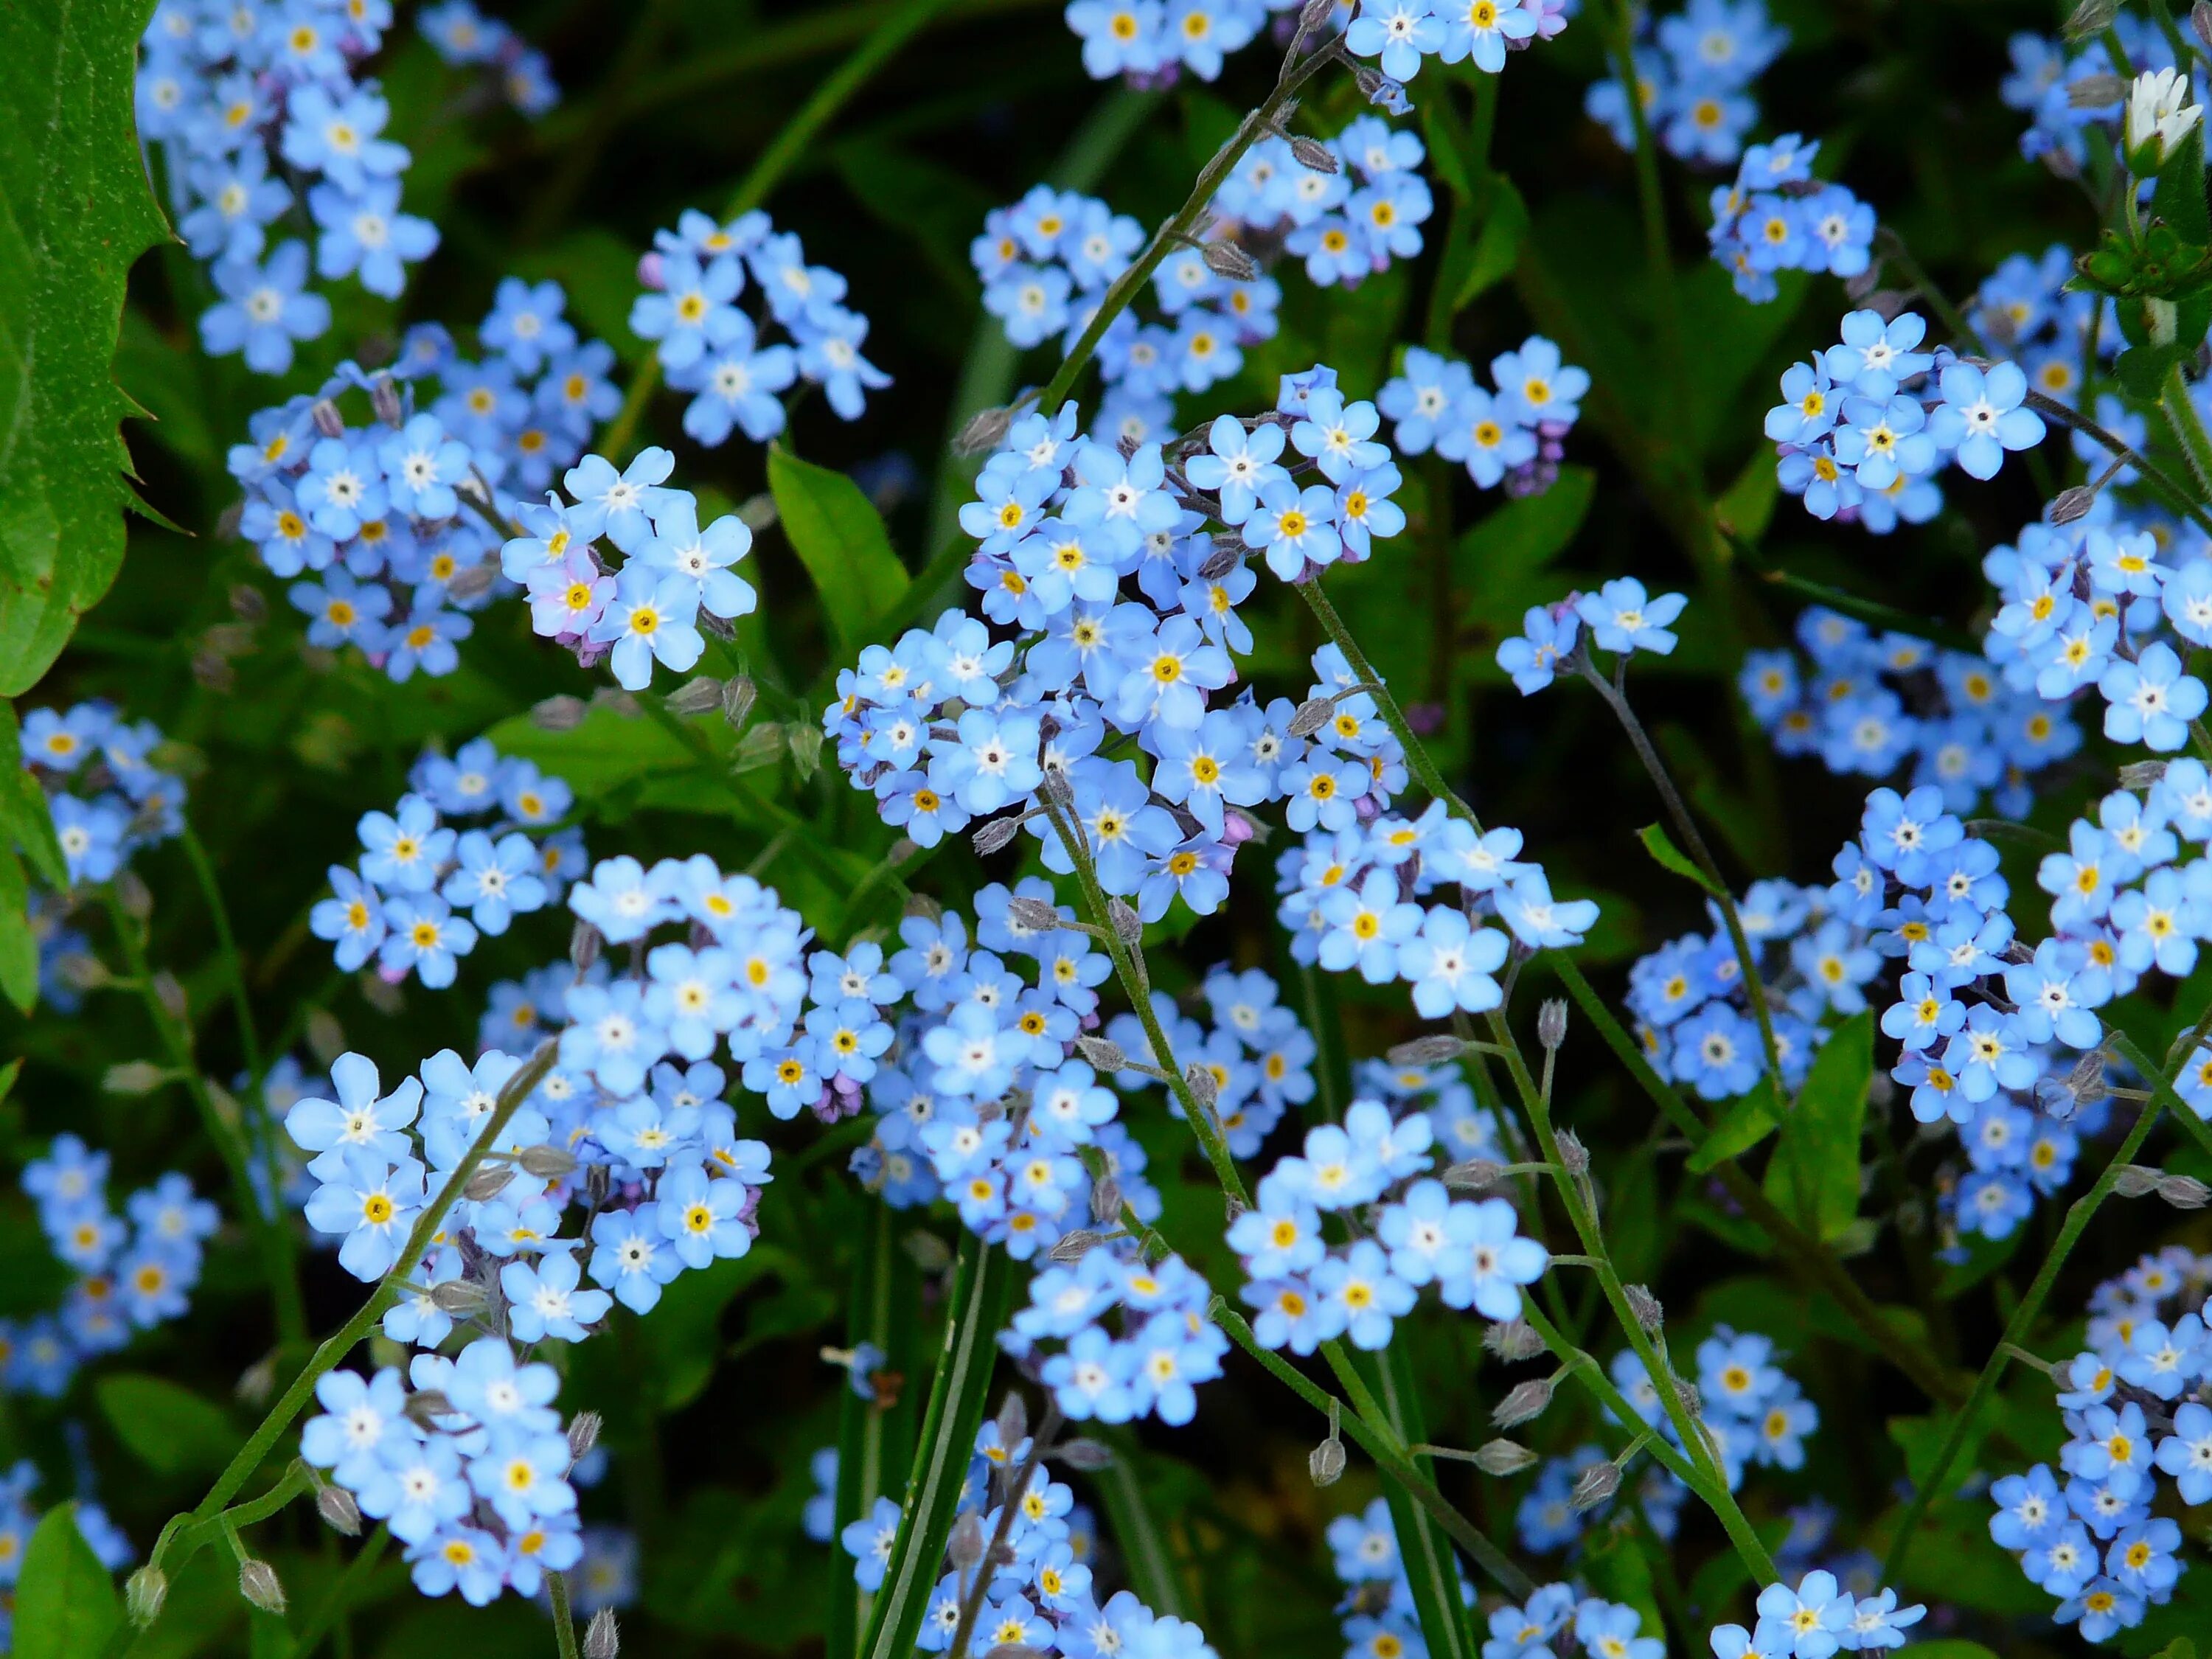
{"x": 1225, "y": 259}
{"x": 487, "y": 1183}
{"x": 1229, "y": 551}
{"x": 1012, "y": 1421}
{"x": 927, "y": 1249}
{"x": 384, "y": 400}
{"x": 81, "y": 972}
{"x": 1475, "y": 1175}
{"x": 986, "y": 431}
{"x": 328, "y": 422}
{"x": 339, "y": 1512}
{"x": 695, "y": 696}
{"x": 1085, "y": 1453}
{"x": 1527, "y": 1401}
{"x": 584, "y": 942}
{"x": 460, "y": 1296}
{"x": 1503, "y": 1457}
{"x": 2089, "y": 17}
{"x": 965, "y": 1547}
{"x": 1312, "y": 715}
{"x": 1645, "y": 1306}
{"x": 1314, "y": 156}
{"x": 1513, "y": 1340}
{"x": 2095, "y": 92}
{"x": 258, "y": 1583}
{"x": 1594, "y": 1485}
{"x": 1073, "y": 1246}
{"x": 247, "y": 603}
{"x": 1861, "y": 283}
{"x": 1325, "y": 1462}
{"x": 170, "y": 991}
{"x": 1014, "y": 1650}
{"x": 1104, "y": 1052}
{"x": 926, "y": 908}
{"x": 993, "y": 838}
{"x": 2069, "y": 506}
{"x": 1033, "y": 915}
{"x": 737, "y": 695}
{"x": 1574, "y": 1157}
{"x": 134, "y": 895}
{"x": 1433, "y": 1050}
{"x": 143, "y": 1593}
{"x": 560, "y": 714}
{"x": 473, "y": 582}
{"x": 133, "y": 1077}
{"x": 2143, "y": 774}
{"x": 583, "y": 1434}
{"x": 603, "y": 1636}
{"x": 426, "y": 1406}
{"x": 2184, "y": 1192}
{"x": 2200, "y": 19}
{"x": 1205, "y": 1087}
{"x": 257, "y": 1382}
{"x": 543, "y": 1163}
{"x": 2085, "y": 1082}
{"x": 1106, "y": 1199}
{"x": 326, "y": 1038}
{"x": 1314, "y": 14}
{"x": 1552, "y": 1025}
{"x": 1128, "y": 925}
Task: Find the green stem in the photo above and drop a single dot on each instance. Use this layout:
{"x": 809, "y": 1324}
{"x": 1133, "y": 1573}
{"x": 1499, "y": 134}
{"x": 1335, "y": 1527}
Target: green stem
{"x": 233, "y": 963}
{"x": 2017, "y": 1328}
{"x": 1650, "y": 199}
{"x": 278, "y": 1255}
{"x": 2188, "y": 428}
{"x": 832, "y": 96}
{"x": 564, "y": 1624}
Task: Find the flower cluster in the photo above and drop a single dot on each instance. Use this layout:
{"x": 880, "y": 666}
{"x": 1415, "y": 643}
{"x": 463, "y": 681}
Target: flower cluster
{"x": 1152, "y": 41}
{"x": 1407, "y": 1231}
{"x": 1817, "y": 1619}
{"x": 2066, "y": 89}
{"x": 461, "y": 34}
{"x": 2109, "y": 602}
{"x": 394, "y": 523}
{"x": 1552, "y": 1515}
{"x": 1866, "y": 704}
{"x": 1622, "y": 617}
{"x": 1514, "y": 436}
{"x": 1777, "y": 217}
{"x": 712, "y": 348}
{"x": 104, "y": 791}
{"x": 1694, "y": 72}
{"x": 1255, "y": 1056}
{"x": 399, "y": 902}
{"x": 1346, "y": 207}
{"x": 1400, "y": 33}
{"x": 2023, "y": 307}
{"x": 1863, "y": 427}
{"x": 134, "y": 1271}
{"x": 1379, "y": 1619}
{"x": 1557, "y": 1617}
{"x": 249, "y": 104}
{"x": 2128, "y": 1406}
{"x": 1166, "y": 1345}
{"x": 1039, "y": 1593}
{"x": 1752, "y": 1411}
{"x": 674, "y": 578}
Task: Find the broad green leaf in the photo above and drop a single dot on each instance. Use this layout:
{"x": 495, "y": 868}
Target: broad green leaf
{"x": 606, "y": 751}
{"x": 1741, "y": 1128}
{"x": 75, "y": 213}
{"x": 976, "y": 1309}
{"x": 1747, "y": 507}
{"x": 1658, "y": 843}
{"x": 1497, "y": 247}
{"x": 66, "y": 1606}
{"x": 840, "y": 538}
{"x": 2178, "y": 196}
{"x": 1951, "y": 1647}
{"x": 25, "y": 818}
{"x": 19, "y": 946}
{"x": 1823, "y": 1128}
{"x": 169, "y": 1429}
{"x": 1522, "y": 537}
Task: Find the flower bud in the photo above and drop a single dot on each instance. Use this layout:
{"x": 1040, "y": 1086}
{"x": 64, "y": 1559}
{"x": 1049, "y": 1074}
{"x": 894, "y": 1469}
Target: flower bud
{"x": 2088, "y": 17}
{"x": 2070, "y": 506}
{"x": 1205, "y": 1087}
{"x": 1513, "y": 1339}
{"x": 584, "y": 942}
{"x": 426, "y": 1406}
{"x": 326, "y": 1038}
{"x": 258, "y": 1583}
{"x": 1074, "y": 1246}
{"x": 328, "y": 422}
{"x": 1312, "y": 715}
{"x": 560, "y": 714}
{"x": 1528, "y": 1400}
{"x": 2143, "y": 774}
{"x": 927, "y": 1249}
{"x": 1012, "y": 1421}
{"x": 1475, "y": 1175}
{"x": 461, "y": 1297}
{"x": 143, "y": 1593}
{"x": 384, "y": 401}
{"x": 543, "y": 1163}
{"x": 583, "y": 1434}
{"x": 489, "y": 1181}
{"x": 247, "y": 603}
{"x": 1106, "y": 1199}
{"x": 601, "y": 1637}
{"x": 170, "y": 992}
{"x": 695, "y": 696}
{"x": 1596, "y": 1484}
{"x": 339, "y": 1512}
{"x": 1314, "y": 14}
{"x": 2200, "y": 19}
{"x": 921, "y": 906}
{"x": 1325, "y": 1462}
{"x": 133, "y": 1077}
{"x": 1646, "y": 1307}
{"x": 986, "y": 431}
{"x": 2095, "y": 92}
{"x": 1504, "y": 1457}
{"x": 1552, "y": 1025}
{"x": 993, "y": 838}
{"x": 1433, "y": 1050}
{"x": 1128, "y": 927}
{"x": 1225, "y": 259}
{"x": 473, "y": 582}
{"x": 1102, "y": 1053}
{"x": 81, "y": 972}
{"x": 1033, "y": 915}
{"x": 2184, "y": 1192}
{"x": 380, "y": 993}
{"x": 1574, "y": 1157}
{"x": 1314, "y": 156}
{"x": 1085, "y": 1453}
{"x": 257, "y": 1381}
{"x": 965, "y": 1548}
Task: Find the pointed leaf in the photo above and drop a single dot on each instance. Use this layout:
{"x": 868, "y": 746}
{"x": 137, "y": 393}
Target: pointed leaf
{"x": 840, "y": 538}
{"x": 1741, "y": 1128}
{"x": 66, "y": 1606}
{"x": 1823, "y": 1129}
{"x": 1656, "y": 842}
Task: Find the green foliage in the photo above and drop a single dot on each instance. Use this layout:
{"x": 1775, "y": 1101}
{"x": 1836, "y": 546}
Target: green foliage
{"x": 840, "y": 539}
{"x": 170, "y": 1429}
{"x": 66, "y": 1606}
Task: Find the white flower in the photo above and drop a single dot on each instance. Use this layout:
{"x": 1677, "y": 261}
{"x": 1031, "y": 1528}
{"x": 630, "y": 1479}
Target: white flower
{"x": 2157, "y": 112}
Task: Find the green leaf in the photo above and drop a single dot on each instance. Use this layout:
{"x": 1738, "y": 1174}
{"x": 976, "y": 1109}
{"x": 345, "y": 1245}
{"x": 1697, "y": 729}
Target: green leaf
{"x": 66, "y": 1606}
{"x": 840, "y": 538}
{"x": 75, "y": 213}
{"x": 1497, "y": 247}
{"x": 2178, "y": 196}
{"x": 171, "y": 1430}
{"x": 1741, "y": 1128}
{"x": 25, "y": 818}
{"x": 1952, "y": 1646}
{"x": 981, "y": 1284}
{"x": 19, "y": 946}
{"x": 1823, "y": 1129}
{"x": 1520, "y": 537}
{"x": 875, "y": 1447}
{"x": 1655, "y": 842}
{"x": 1431, "y": 1571}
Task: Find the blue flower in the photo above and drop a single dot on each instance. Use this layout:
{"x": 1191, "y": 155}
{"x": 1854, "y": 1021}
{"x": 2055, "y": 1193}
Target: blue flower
{"x": 1980, "y": 417}
{"x": 1621, "y": 618}
{"x": 2150, "y": 701}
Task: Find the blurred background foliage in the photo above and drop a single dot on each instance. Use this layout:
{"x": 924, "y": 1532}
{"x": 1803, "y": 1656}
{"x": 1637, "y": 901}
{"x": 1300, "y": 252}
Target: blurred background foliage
{"x": 715, "y": 1403}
